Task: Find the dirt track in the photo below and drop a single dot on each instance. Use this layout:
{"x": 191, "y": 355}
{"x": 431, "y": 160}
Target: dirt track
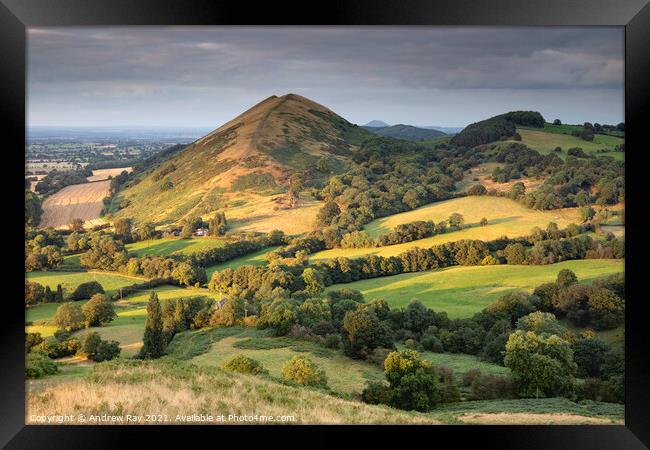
{"x": 82, "y": 201}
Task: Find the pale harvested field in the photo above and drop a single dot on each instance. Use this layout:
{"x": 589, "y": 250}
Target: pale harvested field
{"x": 83, "y": 201}
{"x": 483, "y": 174}
{"x": 536, "y": 419}
{"x": 263, "y": 214}
{"x": 103, "y": 174}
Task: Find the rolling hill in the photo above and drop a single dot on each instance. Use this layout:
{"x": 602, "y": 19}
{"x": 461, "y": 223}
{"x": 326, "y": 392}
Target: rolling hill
{"x": 407, "y": 132}
{"x": 254, "y": 153}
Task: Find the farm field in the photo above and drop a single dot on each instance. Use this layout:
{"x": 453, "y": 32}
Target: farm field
{"x": 111, "y": 282}
{"x": 461, "y": 363}
{"x": 254, "y": 259}
{"x": 545, "y": 142}
{"x": 103, "y": 174}
{"x": 168, "y": 246}
{"x": 464, "y": 291}
{"x": 260, "y": 213}
{"x": 505, "y": 217}
{"x": 83, "y": 201}
{"x": 482, "y": 174}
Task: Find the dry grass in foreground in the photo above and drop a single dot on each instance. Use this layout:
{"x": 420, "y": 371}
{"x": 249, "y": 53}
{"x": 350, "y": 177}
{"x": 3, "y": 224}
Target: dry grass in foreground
{"x": 141, "y": 388}
{"x": 536, "y": 419}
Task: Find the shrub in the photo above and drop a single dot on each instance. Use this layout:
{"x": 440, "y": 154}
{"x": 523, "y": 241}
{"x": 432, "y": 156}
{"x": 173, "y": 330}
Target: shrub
{"x": 376, "y": 393}
{"x": 59, "y": 349}
{"x": 38, "y": 365}
{"x": 378, "y": 356}
{"x": 469, "y": 376}
{"x": 431, "y": 343}
{"x": 301, "y": 370}
{"x": 96, "y": 349}
{"x": 32, "y": 340}
{"x": 414, "y": 382}
{"x": 244, "y": 364}
{"x": 87, "y": 290}
{"x": 487, "y": 387}
{"x": 333, "y": 341}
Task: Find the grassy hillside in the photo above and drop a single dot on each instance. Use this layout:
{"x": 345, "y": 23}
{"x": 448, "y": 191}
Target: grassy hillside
{"x": 171, "y": 388}
{"x": 256, "y": 152}
{"x": 141, "y": 387}
{"x": 463, "y": 291}
{"x": 545, "y": 142}
{"x": 505, "y": 217}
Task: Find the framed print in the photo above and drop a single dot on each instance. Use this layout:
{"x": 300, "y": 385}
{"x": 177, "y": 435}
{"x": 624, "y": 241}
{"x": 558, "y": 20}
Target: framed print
{"x": 380, "y": 215}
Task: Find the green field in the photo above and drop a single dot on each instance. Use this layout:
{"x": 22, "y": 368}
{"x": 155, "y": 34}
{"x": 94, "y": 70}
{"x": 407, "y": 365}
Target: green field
{"x": 111, "y": 282}
{"x": 127, "y": 328}
{"x": 463, "y": 291}
{"x": 344, "y": 374}
{"x": 254, "y": 259}
{"x": 505, "y": 218}
{"x": 168, "y": 246}
{"x": 545, "y": 142}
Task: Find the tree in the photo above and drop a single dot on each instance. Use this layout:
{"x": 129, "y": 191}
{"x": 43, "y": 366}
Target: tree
{"x": 230, "y": 313}
{"x": 515, "y": 253}
{"x": 327, "y": 214}
{"x": 540, "y": 323}
{"x": 312, "y": 312}
{"x": 484, "y": 222}
{"x": 540, "y": 365}
{"x": 34, "y": 293}
{"x": 279, "y": 315}
{"x": 146, "y": 231}
{"x": 69, "y": 317}
{"x": 154, "y": 341}
{"x": 589, "y": 355}
{"x": 363, "y": 332}
{"x": 77, "y": 225}
{"x": 313, "y": 281}
{"x": 606, "y": 309}
{"x": 557, "y": 122}
{"x": 98, "y": 350}
{"x": 186, "y": 231}
{"x": 87, "y": 290}
{"x": 123, "y": 228}
{"x": 456, "y": 220}
{"x": 301, "y": 370}
{"x": 414, "y": 382}
{"x": 98, "y": 311}
{"x": 565, "y": 278}
{"x": 58, "y": 297}
{"x": 477, "y": 189}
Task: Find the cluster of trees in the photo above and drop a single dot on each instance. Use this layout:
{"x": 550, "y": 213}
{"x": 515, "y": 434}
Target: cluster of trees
{"x": 58, "y": 179}
{"x": 392, "y": 176}
{"x": 35, "y": 293}
{"x": 94, "y": 313}
{"x": 42, "y": 249}
{"x": 403, "y": 233}
{"x": 496, "y": 128}
{"x": 576, "y": 181}
{"x": 542, "y": 247}
{"x": 40, "y": 352}
{"x": 33, "y": 209}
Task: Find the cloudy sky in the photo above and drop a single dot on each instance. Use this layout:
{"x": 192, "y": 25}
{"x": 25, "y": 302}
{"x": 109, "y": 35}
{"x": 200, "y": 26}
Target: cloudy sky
{"x": 204, "y": 76}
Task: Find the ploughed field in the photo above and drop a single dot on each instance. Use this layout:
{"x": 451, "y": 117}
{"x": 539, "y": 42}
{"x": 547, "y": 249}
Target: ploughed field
{"x": 464, "y": 291}
{"x": 78, "y": 201}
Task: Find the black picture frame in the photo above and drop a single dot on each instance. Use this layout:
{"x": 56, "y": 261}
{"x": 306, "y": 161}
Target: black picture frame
{"x": 634, "y": 15}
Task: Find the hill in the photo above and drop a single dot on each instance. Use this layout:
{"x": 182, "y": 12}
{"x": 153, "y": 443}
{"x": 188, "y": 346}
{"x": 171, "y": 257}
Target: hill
{"x": 376, "y": 124}
{"x": 255, "y": 152}
{"x": 407, "y": 132}
{"x": 496, "y": 128}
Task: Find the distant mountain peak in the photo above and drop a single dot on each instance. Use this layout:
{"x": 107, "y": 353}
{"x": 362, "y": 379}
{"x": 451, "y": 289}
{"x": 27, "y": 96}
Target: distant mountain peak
{"x": 376, "y": 124}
